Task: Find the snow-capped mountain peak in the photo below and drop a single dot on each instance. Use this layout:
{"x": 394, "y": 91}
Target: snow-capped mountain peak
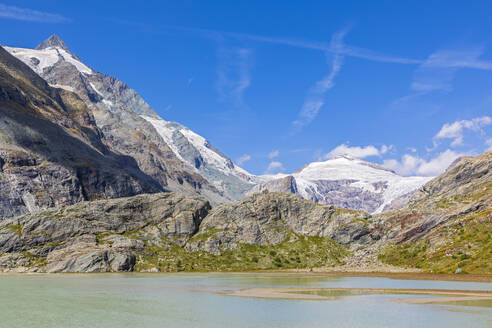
{"x": 200, "y": 154}
{"x": 49, "y": 53}
{"x": 348, "y": 182}
{"x": 54, "y": 41}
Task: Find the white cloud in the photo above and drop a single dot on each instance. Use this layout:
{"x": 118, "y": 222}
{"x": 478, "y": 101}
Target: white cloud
{"x": 414, "y": 165}
{"x": 243, "y": 159}
{"x": 233, "y": 74}
{"x": 467, "y": 58}
{"x": 314, "y": 100}
{"x": 273, "y": 154}
{"x": 308, "y": 113}
{"x": 438, "y": 71}
{"x": 30, "y": 15}
{"x": 357, "y": 152}
{"x": 385, "y": 149}
{"x": 455, "y": 130}
{"x": 274, "y": 167}
{"x": 346, "y": 50}
{"x": 488, "y": 142}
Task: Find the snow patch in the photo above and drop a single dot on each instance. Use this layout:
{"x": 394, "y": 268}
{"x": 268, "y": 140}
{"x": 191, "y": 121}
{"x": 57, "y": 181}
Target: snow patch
{"x": 61, "y": 86}
{"x": 212, "y": 159}
{"x": 38, "y": 60}
{"x": 108, "y": 103}
{"x": 95, "y": 89}
{"x": 165, "y": 132}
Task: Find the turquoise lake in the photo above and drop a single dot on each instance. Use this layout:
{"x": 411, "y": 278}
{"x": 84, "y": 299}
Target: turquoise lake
{"x": 188, "y": 300}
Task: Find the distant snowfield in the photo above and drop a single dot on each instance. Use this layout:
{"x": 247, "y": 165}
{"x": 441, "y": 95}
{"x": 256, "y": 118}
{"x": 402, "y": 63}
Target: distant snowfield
{"x": 354, "y": 173}
{"x": 366, "y": 175}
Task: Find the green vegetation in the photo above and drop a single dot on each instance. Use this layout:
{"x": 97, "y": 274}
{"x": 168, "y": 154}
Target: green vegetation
{"x": 466, "y": 244}
{"x": 294, "y": 252}
{"x": 34, "y": 260}
{"x": 17, "y": 228}
{"x": 205, "y": 235}
{"x": 100, "y": 239}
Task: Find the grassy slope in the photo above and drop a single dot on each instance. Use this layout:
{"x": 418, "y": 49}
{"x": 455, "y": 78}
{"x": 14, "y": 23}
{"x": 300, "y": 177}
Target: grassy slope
{"x": 294, "y": 252}
{"x": 464, "y": 243}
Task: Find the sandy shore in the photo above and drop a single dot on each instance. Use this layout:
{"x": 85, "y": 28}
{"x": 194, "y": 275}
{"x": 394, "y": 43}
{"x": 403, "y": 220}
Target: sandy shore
{"x": 310, "y": 294}
{"x": 403, "y": 275}
{"x": 309, "y": 273}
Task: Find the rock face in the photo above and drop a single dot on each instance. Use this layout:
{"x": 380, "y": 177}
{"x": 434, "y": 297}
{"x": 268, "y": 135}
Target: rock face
{"x": 347, "y": 182}
{"x": 446, "y": 230}
{"x": 268, "y": 218}
{"x": 122, "y": 234}
{"x": 464, "y": 188}
{"x": 447, "y": 224}
{"x": 97, "y": 236}
{"x": 174, "y": 156}
{"x": 51, "y": 150}
{"x": 198, "y": 153}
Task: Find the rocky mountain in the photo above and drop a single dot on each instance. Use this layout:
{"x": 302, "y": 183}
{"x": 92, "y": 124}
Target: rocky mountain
{"x": 447, "y": 225}
{"x": 98, "y": 236}
{"x": 180, "y": 160}
{"x": 51, "y": 150}
{"x": 445, "y": 228}
{"x": 174, "y": 156}
{"x": 172, "y": 232}
{"x": 347, "y": 182}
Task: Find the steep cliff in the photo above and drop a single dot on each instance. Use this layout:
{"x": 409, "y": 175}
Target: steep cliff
{"x": 51, "y": 151}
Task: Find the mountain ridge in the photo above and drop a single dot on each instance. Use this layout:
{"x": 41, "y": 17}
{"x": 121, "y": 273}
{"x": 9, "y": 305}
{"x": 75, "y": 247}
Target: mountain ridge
{"x": 169, "y": 232}
{"x": 181, "y": 160}
{"x": 118, "y": 109}
{"x": 51, "y": 149}
{"x": 346, "y": 182}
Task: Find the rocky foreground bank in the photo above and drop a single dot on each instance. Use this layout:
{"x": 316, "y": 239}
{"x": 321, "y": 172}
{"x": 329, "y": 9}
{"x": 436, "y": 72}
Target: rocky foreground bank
{"x": 172, "y": 232}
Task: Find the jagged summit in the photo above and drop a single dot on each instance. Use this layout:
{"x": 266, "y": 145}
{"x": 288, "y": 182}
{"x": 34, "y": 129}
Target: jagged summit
{"x": 53, "y": 41}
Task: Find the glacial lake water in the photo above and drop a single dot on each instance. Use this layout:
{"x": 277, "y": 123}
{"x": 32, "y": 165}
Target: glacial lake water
{"x": 189, "y": 300}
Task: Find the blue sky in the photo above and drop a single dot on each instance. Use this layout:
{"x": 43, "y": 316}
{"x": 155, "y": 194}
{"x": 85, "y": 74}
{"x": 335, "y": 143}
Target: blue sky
{"x": 276, "y": 84}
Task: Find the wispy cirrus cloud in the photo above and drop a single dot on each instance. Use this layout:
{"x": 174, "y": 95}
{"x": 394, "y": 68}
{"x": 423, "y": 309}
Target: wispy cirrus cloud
{"x": 30, "y": 15}
{"x": 314, "y": 100}
{"x": 345, "y": 50}
{"x": 488, "y": 142}
{"x": 233, "y": 74}
{"x": 437, "y": 72}
{"x": 442, "y": 58}
{"x": 273, "y": 154}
